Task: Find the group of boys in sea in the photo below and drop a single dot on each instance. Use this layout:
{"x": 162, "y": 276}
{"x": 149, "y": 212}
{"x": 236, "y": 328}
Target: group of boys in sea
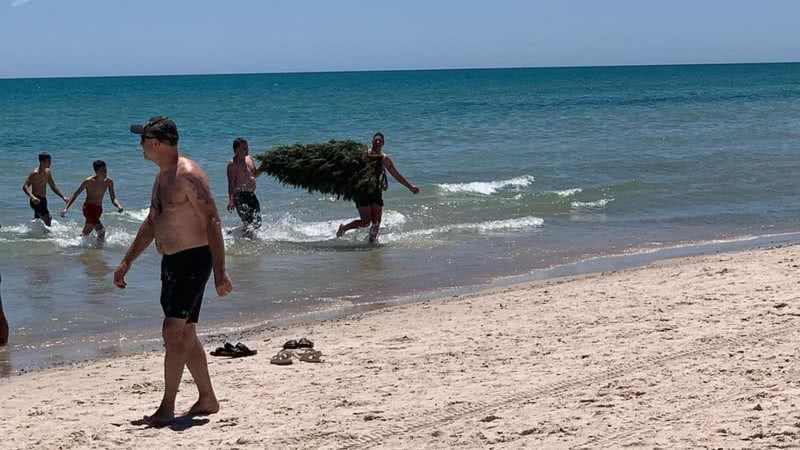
{"x": 184, "y": 223}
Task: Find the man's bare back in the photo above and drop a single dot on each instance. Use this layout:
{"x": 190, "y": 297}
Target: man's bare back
{"x": 177, "y": 224}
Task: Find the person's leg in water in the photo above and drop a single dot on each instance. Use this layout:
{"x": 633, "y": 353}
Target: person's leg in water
{"x": 87, "y": 229}
{"x": 364, "y": 211}
{"x": 377, "y": 214}
{"x": 41, "y": 212}
{"x": 174, "y": 360}
{"x": 3, "y": 323}
{"x": 100, "y": 231}
{"x": 198, "y": 366}
{"x": 249, "y": 209}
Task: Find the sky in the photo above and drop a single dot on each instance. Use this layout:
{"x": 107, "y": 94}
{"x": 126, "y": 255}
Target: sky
{"x": 62, "y": 38}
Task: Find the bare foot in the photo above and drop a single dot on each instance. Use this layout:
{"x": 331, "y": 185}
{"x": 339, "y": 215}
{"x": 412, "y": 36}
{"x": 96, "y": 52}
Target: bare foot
{"x": 161, "y": 418}
{"x": 204, "y": 407}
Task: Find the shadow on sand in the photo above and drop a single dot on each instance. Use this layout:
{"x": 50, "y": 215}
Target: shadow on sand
{"x": 181, "y": 423}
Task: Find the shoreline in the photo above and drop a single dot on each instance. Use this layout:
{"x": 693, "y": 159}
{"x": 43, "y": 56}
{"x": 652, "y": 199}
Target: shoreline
{"x": 679, "y": 353}
{"x": 143, "y": 340}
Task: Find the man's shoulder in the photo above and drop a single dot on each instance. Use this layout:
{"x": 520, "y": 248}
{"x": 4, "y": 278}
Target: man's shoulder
{"x": 189, "y": 169}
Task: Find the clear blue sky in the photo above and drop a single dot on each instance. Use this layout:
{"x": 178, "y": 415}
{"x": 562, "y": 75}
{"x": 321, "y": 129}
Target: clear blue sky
{"x": 110, "y": 37}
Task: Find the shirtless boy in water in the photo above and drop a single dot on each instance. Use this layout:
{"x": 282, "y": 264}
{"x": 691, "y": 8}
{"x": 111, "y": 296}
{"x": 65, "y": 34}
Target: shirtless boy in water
{"x": 96, "y": 187}
{"x": 35, "y": 187}
{"x": 242, "y": 173}
{"x": 184, "y": 223}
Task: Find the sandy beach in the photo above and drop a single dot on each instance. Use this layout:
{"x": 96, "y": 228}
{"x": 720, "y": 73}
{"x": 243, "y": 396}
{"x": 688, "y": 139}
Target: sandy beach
{"x": 695, "y": 352}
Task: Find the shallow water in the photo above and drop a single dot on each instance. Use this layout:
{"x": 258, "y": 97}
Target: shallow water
{"x": 520, "y": 170}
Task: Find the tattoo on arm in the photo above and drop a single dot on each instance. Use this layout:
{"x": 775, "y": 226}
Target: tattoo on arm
{"x": 200, "y": 189}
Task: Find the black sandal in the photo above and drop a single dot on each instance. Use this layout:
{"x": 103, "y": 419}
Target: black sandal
{"x": 243, "y": 350}
{"x": 227, "y": 350}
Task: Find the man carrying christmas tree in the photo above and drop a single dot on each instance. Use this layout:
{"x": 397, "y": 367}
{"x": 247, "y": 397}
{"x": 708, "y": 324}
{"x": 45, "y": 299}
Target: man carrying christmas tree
{"x": 242, "y": 175}
{"x": 370, "y": 209}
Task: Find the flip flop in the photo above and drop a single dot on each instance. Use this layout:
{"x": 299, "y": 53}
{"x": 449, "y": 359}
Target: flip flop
{"x": 290, "y": 344}
{"x": 283, "y": 358}
{"x": 243, "y": 350}
{"x": 227, "y": 350}
{"x": 305, "y": 343}
{"x": 220, "y": 351}
{"x": 312, "y": 357}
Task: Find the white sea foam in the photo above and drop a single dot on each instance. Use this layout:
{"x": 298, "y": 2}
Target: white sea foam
{"x": 64, "y": 234}
{"x": 488, "y": 187}
{"x": 596, "y": 204}
{"x": 288, "y": 228}
{"x": 568, "y": 192}
{"x": 135, "y": 215}
{"x": 481, "y": 227}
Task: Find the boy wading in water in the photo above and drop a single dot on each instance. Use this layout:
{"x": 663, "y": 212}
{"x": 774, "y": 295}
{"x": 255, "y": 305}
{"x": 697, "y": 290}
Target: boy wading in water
{"x": 185, "y": 225}
{"x": 35, "y": 187}
{"x": 242, "y": 173}
{"x": 96, "y": 187}
{"x": 370, "y": 209}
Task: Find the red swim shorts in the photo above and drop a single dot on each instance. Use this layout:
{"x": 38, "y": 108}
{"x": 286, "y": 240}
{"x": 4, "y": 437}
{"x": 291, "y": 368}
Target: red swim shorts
{"x": 92, "y": 213}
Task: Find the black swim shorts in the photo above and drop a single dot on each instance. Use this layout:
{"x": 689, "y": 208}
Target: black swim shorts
{"x": 370, "y": 200}
{"x": 40, "y": 210}
{"x": 248, "y": 207}
{"x": 183, "y": 280}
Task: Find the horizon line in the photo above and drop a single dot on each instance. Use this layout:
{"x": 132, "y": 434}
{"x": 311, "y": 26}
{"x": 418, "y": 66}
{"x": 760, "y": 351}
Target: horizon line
{"x": 432, "y": 69}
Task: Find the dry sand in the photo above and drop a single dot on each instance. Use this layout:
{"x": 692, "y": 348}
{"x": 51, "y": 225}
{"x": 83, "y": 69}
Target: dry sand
{"x": 697, "y": 352}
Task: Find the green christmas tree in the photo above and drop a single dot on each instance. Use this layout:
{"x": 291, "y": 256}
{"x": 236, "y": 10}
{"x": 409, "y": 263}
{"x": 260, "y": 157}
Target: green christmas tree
{"x": 340, "y": 168}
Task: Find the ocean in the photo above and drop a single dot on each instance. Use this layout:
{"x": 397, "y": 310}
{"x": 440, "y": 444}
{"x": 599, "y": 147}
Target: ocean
{"x": 521, "y": 170}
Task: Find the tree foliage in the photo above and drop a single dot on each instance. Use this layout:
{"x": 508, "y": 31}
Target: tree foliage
{"x": 340, "y": 168}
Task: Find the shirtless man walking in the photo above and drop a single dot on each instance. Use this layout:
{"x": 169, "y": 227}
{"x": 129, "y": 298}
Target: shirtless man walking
{"x": 185, "y": 225}
{"x": 35, "y": 187}
{"x": 242, "y": 175}
{"x": 96, "y": 187}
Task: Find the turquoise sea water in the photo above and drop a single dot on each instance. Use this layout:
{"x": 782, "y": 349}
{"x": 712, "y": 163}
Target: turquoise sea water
{"x": 520, "y": 169}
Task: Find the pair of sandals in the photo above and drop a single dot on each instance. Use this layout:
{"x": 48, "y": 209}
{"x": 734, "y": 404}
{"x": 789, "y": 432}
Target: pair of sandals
{"x": 302, "y": 350}
{"x": 234, "y": 351}
{"x": 285, "y": 357}
{"x": 302, "y": 343}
